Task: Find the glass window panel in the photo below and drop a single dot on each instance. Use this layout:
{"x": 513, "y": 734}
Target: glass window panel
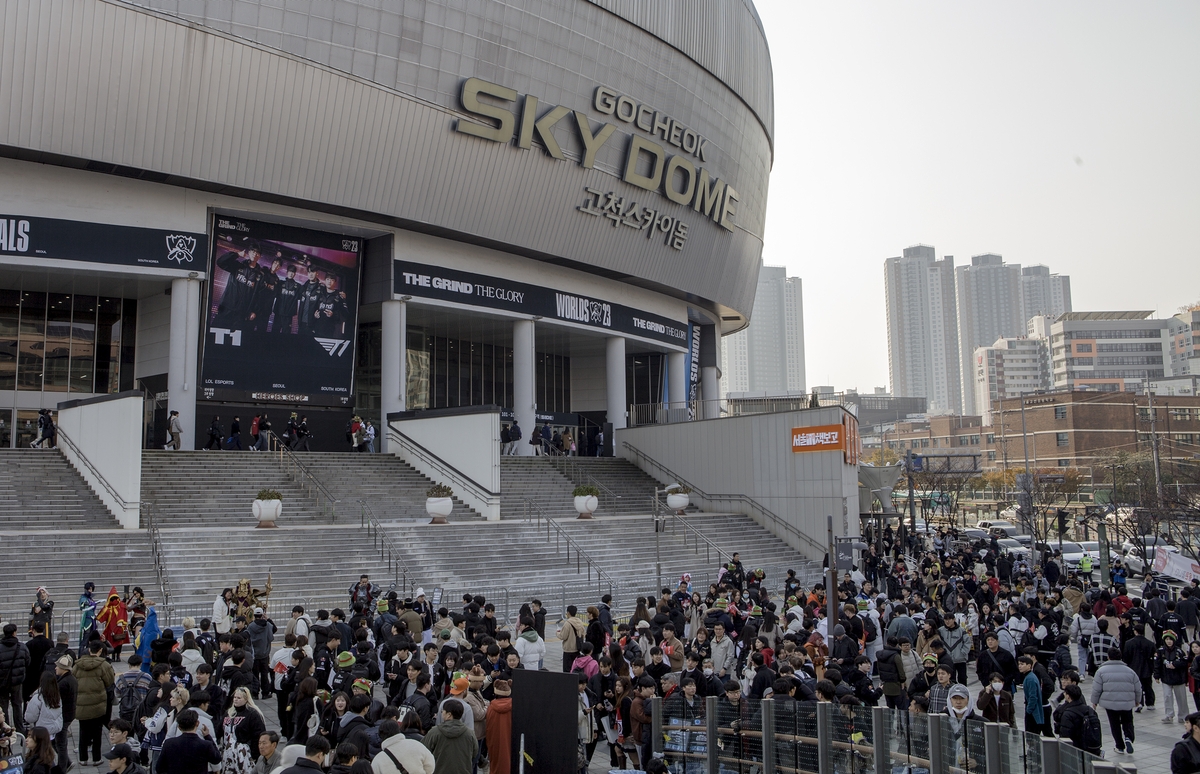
{"x": 58, "y": 343}
{"x": 6, "y": 427}
{"x": 108, "y": 344}
{"x": 439, "y": 373}
{"x": 128, "y": 342}
{"x": 32, "y": 346}
{"x": 10, "y": 315}
{"x": 83, "y": 345}
{"x": 477, "y": 375}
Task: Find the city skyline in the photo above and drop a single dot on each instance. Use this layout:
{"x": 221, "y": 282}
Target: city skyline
{"x": 1066, "y": 143}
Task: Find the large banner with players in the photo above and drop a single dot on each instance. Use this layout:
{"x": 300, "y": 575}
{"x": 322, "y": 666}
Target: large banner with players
{"x": 282, "y": 314}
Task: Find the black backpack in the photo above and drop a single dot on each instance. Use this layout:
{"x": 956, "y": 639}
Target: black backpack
{"x": 129, "y": 700}
{"x": 869, "y": 628}
{"x": 1093, "y": 735}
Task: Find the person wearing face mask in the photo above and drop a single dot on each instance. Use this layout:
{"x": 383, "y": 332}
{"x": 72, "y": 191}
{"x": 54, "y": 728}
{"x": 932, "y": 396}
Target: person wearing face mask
{"x": 995, "y": 703}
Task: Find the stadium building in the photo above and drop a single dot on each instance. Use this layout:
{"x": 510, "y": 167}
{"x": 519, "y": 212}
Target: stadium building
{"x": 553, "y": 206}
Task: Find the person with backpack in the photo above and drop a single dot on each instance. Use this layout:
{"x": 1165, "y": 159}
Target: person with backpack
{"x": 130, "y": 689}
{"x": 216, "y": 434}
{"x": 1076, "y": 721}
{"x": 957, "y": 641}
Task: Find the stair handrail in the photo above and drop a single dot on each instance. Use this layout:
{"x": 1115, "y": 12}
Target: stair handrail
{"x": 385, "y": 543}
{"x": 456, "y": 476}
{"x": 581, "y": 557}
{"x": 698, "y": 536}
{"x": 290, "y": 462}
{"x": 766, "y": 513}
{"x": 156, "y": 550}
{"x": 79, "y": 455}
{"x": 573, "y": 472}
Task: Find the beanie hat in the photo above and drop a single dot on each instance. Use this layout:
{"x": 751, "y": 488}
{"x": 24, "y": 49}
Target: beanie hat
{"x": 839, "y": 630}
{"x": 345, "y": 660}
{"x": 382, "y": 605}
{"x": 363, "y": 684}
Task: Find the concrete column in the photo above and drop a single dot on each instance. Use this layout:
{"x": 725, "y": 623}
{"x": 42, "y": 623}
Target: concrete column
{"x": 524, "y": 393}
{"x": 614, "y": 370}
{"x": 677, "y": 381}
{"x": 393, "y": 364}
{"x": 710, "y": 387}
{"x": 181, "y": 362}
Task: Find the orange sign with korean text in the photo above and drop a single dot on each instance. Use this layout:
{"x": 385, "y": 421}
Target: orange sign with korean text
{"x": 819, "y": 438}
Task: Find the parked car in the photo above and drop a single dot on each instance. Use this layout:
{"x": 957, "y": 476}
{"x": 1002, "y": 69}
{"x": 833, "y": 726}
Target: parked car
{"x": 973, "y": 534}
{"x": 1134, "y": 562}
{"x": 1092, "y": 547}
{"x": 1014, "y": 547}
{"x": 1071, "y": 554}
{"x": 989, "y": 523}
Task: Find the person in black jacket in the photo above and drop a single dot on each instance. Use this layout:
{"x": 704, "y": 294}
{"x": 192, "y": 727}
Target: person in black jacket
{"x": 891, "y": 672}
{"x": 859, "y": 678}
{"x": 843, "y": 650}
{"x": 1139, "y": 654}
{"x": 237, "y": 302}
{"x": 287, "y": 302}
{"x": 1185, "y": 757}
{"x": 357, "y": 730}
{"x": 1070, "y": 717}
{"x": 215, "y": 434}
{"x": 14, "y": 661}
{"x": 187, "y": 753}
{"x": 994, "y": 658}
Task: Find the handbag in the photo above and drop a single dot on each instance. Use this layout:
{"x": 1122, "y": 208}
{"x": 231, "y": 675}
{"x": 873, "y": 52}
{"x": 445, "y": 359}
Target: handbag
{"x": 314, "y": 720}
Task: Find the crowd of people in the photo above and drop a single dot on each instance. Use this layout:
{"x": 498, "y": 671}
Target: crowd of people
{"x": 394, "y": 684}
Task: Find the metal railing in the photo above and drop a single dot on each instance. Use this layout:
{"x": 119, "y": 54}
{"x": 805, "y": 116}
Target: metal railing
{"x": 765, "y": 513}
{"x": 674, "y": 412}
{"x": 784, "y": 735}
{"x": 299, "y": 472}
{"x": 533, "y": 512}
{"x": 83, "y": 460}
{"x": 444, "y": 469}
{"x": 156, "y": 550}
{"x": 387, "y": 547}
{"x": 697, "y": 537}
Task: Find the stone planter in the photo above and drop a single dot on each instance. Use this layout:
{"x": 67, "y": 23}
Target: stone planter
{"x": 586, "y": 505}
{"x": 439, "y": 508}
{"x": 677, "y": 501}
{"x": 267, "y": 511}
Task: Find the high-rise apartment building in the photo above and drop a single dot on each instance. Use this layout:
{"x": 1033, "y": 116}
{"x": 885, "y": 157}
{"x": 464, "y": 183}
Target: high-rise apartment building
{"x": 1043, "y": 293}
{"x": 1184, "y": 330}
{"x": 1008, "y": 368}
{"x": 988, "y": 294}
{"x": 923, "y": 354}
{"x": 768, "y": 356}
{"x": 1108, "y": 351}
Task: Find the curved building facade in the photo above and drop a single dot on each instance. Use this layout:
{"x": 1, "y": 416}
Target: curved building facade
{"x": 251, "y": 205}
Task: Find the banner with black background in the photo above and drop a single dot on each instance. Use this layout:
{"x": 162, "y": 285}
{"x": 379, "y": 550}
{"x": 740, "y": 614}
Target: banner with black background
{"x": 76, "y": 240}
{"x": 282, "y": 315}
{"x": 461, "y": 287}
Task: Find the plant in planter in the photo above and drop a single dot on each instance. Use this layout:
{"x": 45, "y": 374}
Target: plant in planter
{"x": 267, "y": 508}
{"x": 439, "y": 502}
{"x": 678, "y": 497}
{"x": 586, "y": 500}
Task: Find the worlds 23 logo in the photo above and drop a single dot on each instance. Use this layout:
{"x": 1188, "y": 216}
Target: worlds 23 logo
{"x": 181, "y": 248}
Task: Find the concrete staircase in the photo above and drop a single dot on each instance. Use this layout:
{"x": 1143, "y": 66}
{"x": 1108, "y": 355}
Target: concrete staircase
{"x": 40, "y": 489}
{"x": 632, "y": 487}
{"x": 63, "y": 561}
{"x": 207, "y": 489}
{"x": 509, "y": 560}
{"x": 534, "y": 478}
{"x": 392, "y": 487}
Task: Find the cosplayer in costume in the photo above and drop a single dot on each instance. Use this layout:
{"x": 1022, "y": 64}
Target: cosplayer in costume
{"x": 87, "y": 615}
{"x": 114, "y": 623}
{"x": 245, "y": 598}
{"x": 148, "y": 634}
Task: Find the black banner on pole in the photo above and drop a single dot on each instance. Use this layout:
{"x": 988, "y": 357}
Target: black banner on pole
{"x": 282, "y": 314}
{"x": 545, "y": 710}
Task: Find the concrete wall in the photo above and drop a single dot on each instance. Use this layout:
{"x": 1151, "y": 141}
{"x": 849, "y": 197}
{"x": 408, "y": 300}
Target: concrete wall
{"x": 467, "y": 439}
{"x": 107, "y": 431}
{"x": 752, "y": 455}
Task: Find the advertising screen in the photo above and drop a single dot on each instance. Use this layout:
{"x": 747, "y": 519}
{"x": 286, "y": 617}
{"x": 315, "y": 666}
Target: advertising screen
{"x": 282, "y": 314}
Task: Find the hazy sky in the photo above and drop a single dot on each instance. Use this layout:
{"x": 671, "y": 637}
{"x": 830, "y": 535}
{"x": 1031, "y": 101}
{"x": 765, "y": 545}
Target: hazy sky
{"x": 1059, "y": 133}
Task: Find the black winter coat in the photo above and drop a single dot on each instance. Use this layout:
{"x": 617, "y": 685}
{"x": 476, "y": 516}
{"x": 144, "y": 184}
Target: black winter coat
{"x": 14, "y": 661}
